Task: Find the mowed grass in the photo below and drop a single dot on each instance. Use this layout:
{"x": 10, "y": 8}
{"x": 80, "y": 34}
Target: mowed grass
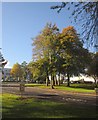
{"x": 82, "y": 88}
{"x": 13, "y": 106}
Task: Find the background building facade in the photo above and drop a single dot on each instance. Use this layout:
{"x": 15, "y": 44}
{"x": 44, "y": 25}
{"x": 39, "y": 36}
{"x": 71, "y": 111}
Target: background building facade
{"x": 6, "y": 73}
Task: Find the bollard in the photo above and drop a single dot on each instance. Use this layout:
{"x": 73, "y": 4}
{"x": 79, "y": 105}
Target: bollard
{"x": 96, "y": 90}
{"x": 22, "y": 87}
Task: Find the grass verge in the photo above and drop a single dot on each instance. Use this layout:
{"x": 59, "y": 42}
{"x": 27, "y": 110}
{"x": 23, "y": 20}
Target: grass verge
{"x": 81, "y": 88}
{"x": 14, "y": 106}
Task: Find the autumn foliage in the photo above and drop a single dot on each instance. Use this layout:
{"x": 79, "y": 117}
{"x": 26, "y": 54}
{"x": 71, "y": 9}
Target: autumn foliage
{"x": 59, "y": 52}
{"x": 16, "y": 71}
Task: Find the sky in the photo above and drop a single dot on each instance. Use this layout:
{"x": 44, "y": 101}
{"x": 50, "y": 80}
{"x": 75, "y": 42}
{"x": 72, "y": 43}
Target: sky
{"x": 22, "y": 21}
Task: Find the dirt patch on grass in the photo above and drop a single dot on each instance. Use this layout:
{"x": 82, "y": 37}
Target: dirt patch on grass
{"x": 52, "y": 95}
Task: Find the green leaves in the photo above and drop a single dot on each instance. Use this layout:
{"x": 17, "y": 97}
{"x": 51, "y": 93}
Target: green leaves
{"x": 93, "y": 68}
{"x": 59, "y": 52}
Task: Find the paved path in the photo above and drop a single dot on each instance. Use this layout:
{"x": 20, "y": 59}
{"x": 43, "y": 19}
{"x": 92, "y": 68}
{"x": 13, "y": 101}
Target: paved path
{"x": 53, "y": 95}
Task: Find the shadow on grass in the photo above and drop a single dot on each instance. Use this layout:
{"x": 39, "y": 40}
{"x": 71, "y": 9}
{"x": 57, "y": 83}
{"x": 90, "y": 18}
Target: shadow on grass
{"x": 35, "y": 108}
{"x": 47, "y": 95}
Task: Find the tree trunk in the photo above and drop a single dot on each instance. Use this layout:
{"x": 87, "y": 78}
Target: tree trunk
{"x": 55, "y": 81}
{"x": 51, "y": 84}
{"x": 17, "y": 79}
{"x": 68, "y": 80}
{"x": 47, "y": 80}
{"x": 95, "y": 82}
{"x": 59, "y": 79}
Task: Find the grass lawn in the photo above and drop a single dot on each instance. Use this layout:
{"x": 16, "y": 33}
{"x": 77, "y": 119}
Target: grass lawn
{"x": 14, "y": 106}
{"x": 84, "y": 88}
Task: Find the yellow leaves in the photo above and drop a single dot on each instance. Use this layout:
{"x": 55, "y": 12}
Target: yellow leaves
{"x": 61, "y": 41}
{"x": 72, "y": 40}
{"x": 16, "y": 70}
{"x": 69, "y": 28}
{"x": 71, "y": 33}
{"x": 69, "y": 38}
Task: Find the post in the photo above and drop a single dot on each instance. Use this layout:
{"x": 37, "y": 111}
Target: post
{"x": 96, "y": 91}
{"x": 22, "y": 88}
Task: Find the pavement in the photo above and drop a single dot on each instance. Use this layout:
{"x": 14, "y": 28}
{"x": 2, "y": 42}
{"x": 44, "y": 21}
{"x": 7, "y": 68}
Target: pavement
{"x": 52, "y": 95}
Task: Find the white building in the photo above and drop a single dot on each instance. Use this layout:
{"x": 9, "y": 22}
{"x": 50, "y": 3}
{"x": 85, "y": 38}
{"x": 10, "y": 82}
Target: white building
{"x": 82, "y": 78}
{"x": 6, "y": 72}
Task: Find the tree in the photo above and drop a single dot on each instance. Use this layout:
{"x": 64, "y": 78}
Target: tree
{"x": 75, "y": 57}
{"x": 87, "y": 14}
{"x": 36, "y": 71}
{"x": 93, "y": 68}
{"x": 59, "y": 53}
{"x": 16, "y": 71}
{"x": 24, "y": 69}
{"x": 44, "y": 49}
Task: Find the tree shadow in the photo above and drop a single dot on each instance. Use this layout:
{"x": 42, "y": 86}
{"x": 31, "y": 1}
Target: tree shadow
{"x": 35, "y": 108}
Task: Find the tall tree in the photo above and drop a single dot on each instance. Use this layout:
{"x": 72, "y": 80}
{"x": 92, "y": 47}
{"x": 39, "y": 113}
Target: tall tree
{"x": 44, "y": 48}
{"x": 85, "y": 13}
{"x": 93, "y": 68}
{"x": 76, "y": 58}
{"x": 33, "y": 67}
{"x": 37, "y": 70}
{"x": 58, "y": 53}
{"x": 16, "y": 71}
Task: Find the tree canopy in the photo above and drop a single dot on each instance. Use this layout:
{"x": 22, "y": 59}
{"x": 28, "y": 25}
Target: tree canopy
{"x": 16, "y": 71}
{"x": 93, "y": 67}
{"x": 75, "y": 57}
{"x": 59, "y": 53}
{"x": 86, "y": 13}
